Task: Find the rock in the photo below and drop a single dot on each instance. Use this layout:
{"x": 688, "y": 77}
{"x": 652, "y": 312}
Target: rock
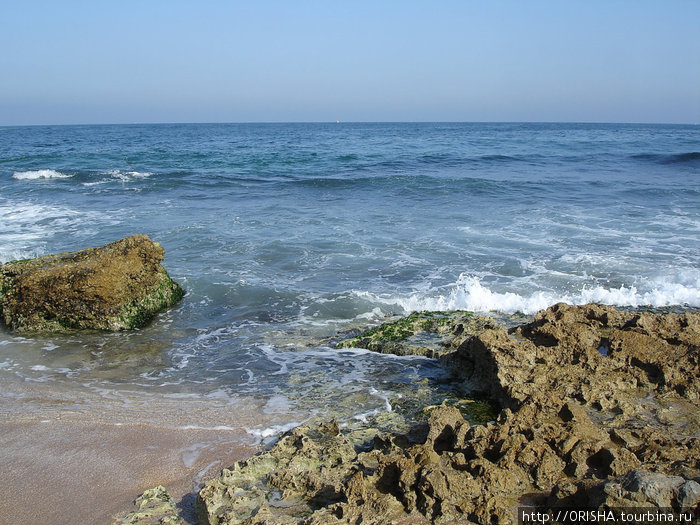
{"x": 641, "y": 489}
{"x": 421, "y": 333}
{"x": 119, "y": 286}
{"x": 153, "y": 507}
{"x": 559, "y": 356}
{"x": 599, "y": 408}
{"x": 304, "y": 470}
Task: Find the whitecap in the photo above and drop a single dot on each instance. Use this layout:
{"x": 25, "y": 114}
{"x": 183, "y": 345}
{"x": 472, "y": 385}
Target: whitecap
{"x": 190, "y": 454}
{"x": 198, "y": 427}
{"x": 39, "y": 174}
{"x": 269, "y": 435}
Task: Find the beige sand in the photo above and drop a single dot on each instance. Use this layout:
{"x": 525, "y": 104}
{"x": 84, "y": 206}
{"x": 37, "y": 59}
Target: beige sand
{"x": 72, "y": 457}
{"x": 81, "y": 472}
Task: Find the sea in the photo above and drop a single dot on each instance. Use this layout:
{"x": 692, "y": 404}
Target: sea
{"x": 286, "y": 236}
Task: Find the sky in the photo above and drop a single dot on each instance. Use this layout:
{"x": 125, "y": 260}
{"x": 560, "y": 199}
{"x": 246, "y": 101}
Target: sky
{"x": 83, "y": 62}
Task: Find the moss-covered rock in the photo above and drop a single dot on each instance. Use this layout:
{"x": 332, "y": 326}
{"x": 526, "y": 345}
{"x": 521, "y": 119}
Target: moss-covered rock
{"x": 119, "y": 286}
{"x": 426, "y": 333}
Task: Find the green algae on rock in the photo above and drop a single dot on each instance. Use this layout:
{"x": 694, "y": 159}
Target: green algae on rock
{"x": 119, "y": 286}
{"x": 426, "y": 333}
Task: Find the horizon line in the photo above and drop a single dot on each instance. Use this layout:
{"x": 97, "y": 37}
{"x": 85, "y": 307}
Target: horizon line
{"x": 272, "y": 122}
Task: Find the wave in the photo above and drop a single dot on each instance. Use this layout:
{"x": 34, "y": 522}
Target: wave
{"x": 126, "y": 176}
{"x": 39, "y": 174}
{"x": 469, "y": 294}
{"x": 691, "y": 157}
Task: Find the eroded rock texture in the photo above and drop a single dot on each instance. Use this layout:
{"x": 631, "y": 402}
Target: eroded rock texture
{"x": 600, "y": 407}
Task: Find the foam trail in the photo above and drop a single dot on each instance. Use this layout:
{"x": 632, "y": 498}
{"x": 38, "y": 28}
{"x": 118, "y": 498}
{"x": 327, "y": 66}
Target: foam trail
{"x": 39, "y": 174}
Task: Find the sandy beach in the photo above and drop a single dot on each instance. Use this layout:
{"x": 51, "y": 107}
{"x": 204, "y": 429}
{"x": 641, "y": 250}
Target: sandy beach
{"x": 67, "y": 461}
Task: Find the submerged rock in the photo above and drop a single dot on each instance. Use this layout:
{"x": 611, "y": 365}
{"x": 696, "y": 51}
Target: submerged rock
{"x": 600, "y": 407}
{"x": 119, "y": 286}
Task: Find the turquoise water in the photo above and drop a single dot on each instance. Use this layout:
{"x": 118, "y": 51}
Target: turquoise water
{"x": 284, "y": 234}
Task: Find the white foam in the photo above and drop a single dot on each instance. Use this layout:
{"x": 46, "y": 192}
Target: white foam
{"x": 199, "y": 478}
{"x": 468, "y": 293}
{"x": 197, "y": 427}
{"x": 364, "y": 417}
{"x": 376, "y": 313}
{"x": 39, "y": 174}
{"x": 219, "y": 393}
{"x": 269, "y": 435}
{"x": 275, "y": 357}
{"x": 28, "y": 224}
{"x": 41, "y": 379}
{"x": 126, "y": 176}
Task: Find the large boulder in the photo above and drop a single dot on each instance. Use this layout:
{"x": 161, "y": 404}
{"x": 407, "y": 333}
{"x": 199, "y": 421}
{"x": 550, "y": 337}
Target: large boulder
{"x": 119, "y": 286}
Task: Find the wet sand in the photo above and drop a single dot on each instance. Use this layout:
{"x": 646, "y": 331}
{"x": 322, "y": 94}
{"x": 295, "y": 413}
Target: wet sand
{"x": 68, "y": 461}
{"x": 80, "y": 472}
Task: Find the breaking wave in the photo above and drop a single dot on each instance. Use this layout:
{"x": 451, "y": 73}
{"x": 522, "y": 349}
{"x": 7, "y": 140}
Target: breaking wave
{"x": 468, "y": 293}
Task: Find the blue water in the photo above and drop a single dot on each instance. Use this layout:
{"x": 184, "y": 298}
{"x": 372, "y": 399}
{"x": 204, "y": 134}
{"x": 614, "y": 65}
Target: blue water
{"x": 283, "y": 234}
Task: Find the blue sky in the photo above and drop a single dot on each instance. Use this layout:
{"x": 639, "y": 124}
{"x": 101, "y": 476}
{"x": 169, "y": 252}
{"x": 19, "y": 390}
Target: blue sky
{"x": 277, "y": 61}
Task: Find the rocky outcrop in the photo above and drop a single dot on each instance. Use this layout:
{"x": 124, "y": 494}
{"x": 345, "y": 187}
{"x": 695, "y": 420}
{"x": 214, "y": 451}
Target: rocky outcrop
{"x": 119, "y": 286}
{"x": 600, "y": 407}
{"x": 596, "y": 355}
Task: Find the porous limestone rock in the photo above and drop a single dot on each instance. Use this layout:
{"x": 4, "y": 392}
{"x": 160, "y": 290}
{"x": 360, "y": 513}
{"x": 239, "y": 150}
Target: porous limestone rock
{"x": 638, "y": 489}
{"x": 119, "y": 286}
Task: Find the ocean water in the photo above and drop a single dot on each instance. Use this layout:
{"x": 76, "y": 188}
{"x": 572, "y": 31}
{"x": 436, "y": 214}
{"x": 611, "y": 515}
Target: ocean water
{"x": 285, "y": 234}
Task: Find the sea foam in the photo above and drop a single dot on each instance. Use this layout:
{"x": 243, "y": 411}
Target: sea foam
{"x": 127, "y": 176}
{"x": 468, "y": 293}
{"x": 39, "y": 174}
